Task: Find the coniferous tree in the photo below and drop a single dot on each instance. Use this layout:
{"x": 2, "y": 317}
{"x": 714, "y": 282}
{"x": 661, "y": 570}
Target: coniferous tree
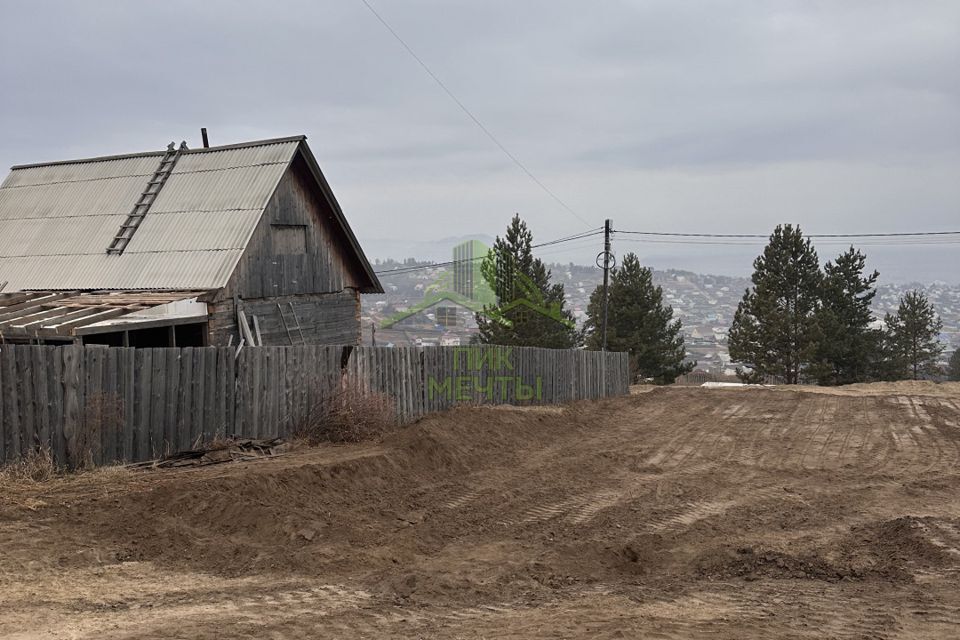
{"x": 848, "y": 348}
{"x": 912, "y": 337}
{"x": 774, "y": 329}
{"x": 953, "y": 369}
{"x": 638, "y": 323}
{"x": 530, "y": 310}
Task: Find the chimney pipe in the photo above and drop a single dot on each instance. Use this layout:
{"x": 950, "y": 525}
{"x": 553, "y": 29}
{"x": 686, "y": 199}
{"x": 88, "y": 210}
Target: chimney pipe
{"x": 203, "y": 134}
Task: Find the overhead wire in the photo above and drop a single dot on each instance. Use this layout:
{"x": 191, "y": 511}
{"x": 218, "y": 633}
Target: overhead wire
{"x": 435, "y": 265}
{"x": 807, "y": 235}
{"x": 473, "y": 116}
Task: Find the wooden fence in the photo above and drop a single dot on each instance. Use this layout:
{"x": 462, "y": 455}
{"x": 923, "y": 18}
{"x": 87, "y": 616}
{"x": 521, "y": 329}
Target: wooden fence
{"x": 112, "y": 404}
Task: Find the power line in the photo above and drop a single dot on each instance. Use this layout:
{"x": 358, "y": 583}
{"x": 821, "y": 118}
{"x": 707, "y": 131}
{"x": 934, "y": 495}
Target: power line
{"x": 808, "y": 235}
{"x": 753, "y": 243}
{"x": 471, "y": 115}
{"x": 435, "y": 265}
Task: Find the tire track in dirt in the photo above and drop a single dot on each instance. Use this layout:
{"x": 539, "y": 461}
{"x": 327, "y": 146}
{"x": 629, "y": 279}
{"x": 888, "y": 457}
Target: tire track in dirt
{"x": 833, "y": 432}
{"x": 921, "y": 429}
{"x": 677, "y": 441}
{"x": 886, "y": 444}
{"x": 145, "y": 616}
{"x": 692, "y": 512}
{"x": 812, "y": 439}
{"x": 859, "y": 414}
{"x": 946, "y": 422}
{"x": 793, "y": 432}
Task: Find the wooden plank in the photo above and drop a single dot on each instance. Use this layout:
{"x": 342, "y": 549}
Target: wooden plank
{"x": 73, "y": 390}
{"x": 236, "y": 426}
{"x": 3, "y": 424}
{"x": 184, "y": 412}
{"x": 54, "y": 382}
{"x": 305, "y": 371}
{"x": 38, "y": 382}
{"x": 171, "y": 397}
{"x": 256, "y": 331}
{"x": 406, "y": 373}
{"x": 194, "y": 424}
{"x": 251, "y": 390}
{"x": 11, "y": 402}
{"x": 428, "y": 367}
{"x": 158, "y": 403}
{"x": 88, "y": 438}
{"x": 245, "y": 327}
{"x": 226, "y": 391}
{"x": 32, "y": 300}
{"x": 280, "y": 416}
{"x": 126, "y": 365}
{"x": 143, "y": 400}
{"x": 266, "y": 381}
{"x": 204, "y": 393}
{"x": 112, "y": 408}
{"x": 255, "y": 392}
{"x": 28, "y": 417}
{"x": 292, "y": 391}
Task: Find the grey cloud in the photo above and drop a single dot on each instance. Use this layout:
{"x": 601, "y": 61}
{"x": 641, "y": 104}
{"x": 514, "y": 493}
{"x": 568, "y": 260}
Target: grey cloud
{"x": 693, "y": 110}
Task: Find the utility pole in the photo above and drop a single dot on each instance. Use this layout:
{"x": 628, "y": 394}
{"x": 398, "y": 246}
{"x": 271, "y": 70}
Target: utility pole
{"x": 373, "y": 333}
{"x": 606, "y": 277}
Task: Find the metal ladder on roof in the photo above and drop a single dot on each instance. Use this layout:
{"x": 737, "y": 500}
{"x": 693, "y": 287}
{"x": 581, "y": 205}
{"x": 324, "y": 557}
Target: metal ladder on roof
{"x": 140, "y": 209}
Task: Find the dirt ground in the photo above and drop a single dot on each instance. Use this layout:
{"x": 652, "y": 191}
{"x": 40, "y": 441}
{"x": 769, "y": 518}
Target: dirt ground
{"x": 677, "y": 513}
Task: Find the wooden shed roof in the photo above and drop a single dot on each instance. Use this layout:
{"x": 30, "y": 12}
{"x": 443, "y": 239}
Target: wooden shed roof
{"x": 57, "y": 219}
{"x": 64, "y": 314}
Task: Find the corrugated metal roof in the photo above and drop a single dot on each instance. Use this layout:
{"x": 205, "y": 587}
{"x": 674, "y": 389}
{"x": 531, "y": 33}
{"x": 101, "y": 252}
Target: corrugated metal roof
{"x": 192, "y": 232}
{"x": 143, "y": 165}
{"x": 56, "y": 220}
{"x": 66, "y": 199}
{"x": 159, "y": 270}
{"x": 37, "y": 237}
{"x": 219, "y": 190}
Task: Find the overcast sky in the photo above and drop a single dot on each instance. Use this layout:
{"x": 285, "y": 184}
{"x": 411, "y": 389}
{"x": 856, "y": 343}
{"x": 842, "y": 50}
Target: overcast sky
{"x": 662, "y": 115}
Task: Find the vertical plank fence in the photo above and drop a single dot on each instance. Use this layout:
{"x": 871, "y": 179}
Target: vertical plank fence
{"x": 102, "y": 405}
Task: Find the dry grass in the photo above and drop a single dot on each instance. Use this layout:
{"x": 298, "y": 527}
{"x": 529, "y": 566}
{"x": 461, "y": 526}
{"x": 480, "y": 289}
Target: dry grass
{"x": 36, "y": 466}
{"x": 352, "y": 414}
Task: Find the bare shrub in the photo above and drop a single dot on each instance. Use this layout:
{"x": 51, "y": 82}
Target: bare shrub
{"x": 352, "y": 414}
{"x": 35, "y": 466}
{"x": 102, "y": 412}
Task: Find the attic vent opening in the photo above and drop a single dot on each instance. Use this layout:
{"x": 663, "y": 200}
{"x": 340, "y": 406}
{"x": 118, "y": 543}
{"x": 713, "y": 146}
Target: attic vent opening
{"x": 147, "y": 198}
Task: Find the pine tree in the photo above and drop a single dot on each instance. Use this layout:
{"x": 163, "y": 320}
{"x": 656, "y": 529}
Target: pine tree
{"x": 912, "y": 336}
{"x": 529, "y": 311}
{"x": 774, "y": 329}
{"x": 848, "y": 348}
{"x": 953, "y": 370}
{"x": 638, "y": 323}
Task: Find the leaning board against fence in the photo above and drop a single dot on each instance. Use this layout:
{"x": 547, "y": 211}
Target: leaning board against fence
{"x": 100, "y": 405}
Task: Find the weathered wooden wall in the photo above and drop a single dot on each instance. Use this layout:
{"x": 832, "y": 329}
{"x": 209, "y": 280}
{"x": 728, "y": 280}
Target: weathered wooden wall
{"x": 325, "y": 318}
{"x": 116, "y": 404}
{"x": 297, "y": 253}
{"x": 297, "y": 247}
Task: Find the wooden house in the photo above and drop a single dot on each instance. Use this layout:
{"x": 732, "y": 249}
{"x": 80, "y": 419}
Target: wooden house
{"x": 181, "y": 247}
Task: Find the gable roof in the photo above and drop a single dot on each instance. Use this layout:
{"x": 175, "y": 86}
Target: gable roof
{"x": 57, "y": 219}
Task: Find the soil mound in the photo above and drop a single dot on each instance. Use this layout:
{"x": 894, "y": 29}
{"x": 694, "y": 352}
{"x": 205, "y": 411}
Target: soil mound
{"x": 751, "y": 564}
{"x": 895, "y": 548}
{"x": 269, "y": 517}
